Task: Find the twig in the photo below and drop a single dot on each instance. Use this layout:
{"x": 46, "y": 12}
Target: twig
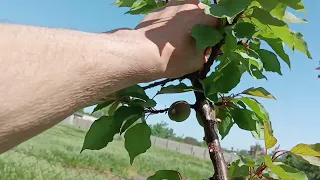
{"x": 158, "y": 83}
{"x": 154, "y": 111}
{"x": 165, "y": 81}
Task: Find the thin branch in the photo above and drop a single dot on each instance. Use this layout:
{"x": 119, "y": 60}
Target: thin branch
{"x": 155, "y": 111}
{"x": 165, "y": 81}
{"x": 158, "y": 83}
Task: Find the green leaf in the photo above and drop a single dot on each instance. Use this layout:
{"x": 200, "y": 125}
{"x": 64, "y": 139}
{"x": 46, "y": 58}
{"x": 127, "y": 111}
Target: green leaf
{"x": 180, "y": 88}
{"x": 268, "y": 5}
{"x": 291, "y": 18}
{"x": 265, "y": 21}
{"x": 137, "y": 140}
{"x": 101, "y": 133}
{"x": 269, "y": 140}
{"x": 125, "y": 3}
{"x": 227, "y": 8}
{"x": 294, "y": 4}
{"x": 244, "y": 30}
{"x": 245, "y": 119}
{"x": 258, "y": 133}
{"x": 205, "y": 36}
{"x": 247, "y": 161}
{"x": 310, "y": 159}
{"x": 134, "y": 91}
{"x": 142, "y": 103}
{"x": 237, "y": 170}
{"x": 276, "y": 169}
{"x": 304, "y": 149}
{"x": 259, "y": 92}
{"x": 292, "y": 172}
{"x": 255, "y": 44}
{"x": 129, "y": 115}
{"x": 279, "y": 11}
{"x": 269, "y": 60}
{"x": 278, "y": 47}
{"x": 228, "y": 78}
{"x": 230, "y": 42}
{"x": 113, "y": 108}
{"x": 102, "y": 105}
{"x": 165, "y": 174}
{"x": 256, "y": 107}
{"x": 301, "y": 45}
{"x": 226, "y": 124}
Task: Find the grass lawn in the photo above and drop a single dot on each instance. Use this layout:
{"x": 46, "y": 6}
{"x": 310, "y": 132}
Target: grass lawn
{"x": 55, "y": 154}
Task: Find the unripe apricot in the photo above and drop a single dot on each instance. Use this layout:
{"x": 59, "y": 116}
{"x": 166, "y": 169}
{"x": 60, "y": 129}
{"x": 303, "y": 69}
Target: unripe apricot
{"x": 179, "y": 111}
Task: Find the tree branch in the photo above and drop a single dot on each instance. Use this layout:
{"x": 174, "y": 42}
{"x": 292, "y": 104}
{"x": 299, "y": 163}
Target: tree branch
{"x": 207, "y": 114}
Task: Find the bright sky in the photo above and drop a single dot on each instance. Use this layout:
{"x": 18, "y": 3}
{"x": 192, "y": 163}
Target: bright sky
{"x": 295, "y": 114}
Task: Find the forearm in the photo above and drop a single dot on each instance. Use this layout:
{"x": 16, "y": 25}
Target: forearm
{"x": 47, "y": 74}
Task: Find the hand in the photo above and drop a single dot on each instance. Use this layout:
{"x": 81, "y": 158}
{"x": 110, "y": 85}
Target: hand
{"x": 170, "y": 29}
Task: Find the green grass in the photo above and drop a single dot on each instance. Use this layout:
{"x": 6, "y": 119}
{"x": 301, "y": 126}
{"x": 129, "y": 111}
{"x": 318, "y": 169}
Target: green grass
{"x": 55, "y": 154}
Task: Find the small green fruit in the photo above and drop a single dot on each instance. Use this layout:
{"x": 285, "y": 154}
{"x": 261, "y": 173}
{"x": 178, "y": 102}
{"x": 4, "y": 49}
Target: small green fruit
{"x": 179, "y": 111}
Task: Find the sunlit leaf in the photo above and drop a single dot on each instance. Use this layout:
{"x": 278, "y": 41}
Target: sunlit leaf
{"x": 301, "y": 45}
{"x": 292, "y": 172}
{"x": 113, "y": 108}
{"x": 276, "y": 169}
{"x": 279, "y": 11}
{"x": 269, "y": 140}
{"x": 265, "y": 21}
{"x": 277, "y": 45}
{"x": 165, "y": 174}
{"x": 269, "y": 60}
{"x": 304, "y": 149}
{"x": 259, "y": 92}
{"x": 256, "y": 107}
{"x": 310, "y": 159}
{"x": 291, "y": 18}
{"x": 205, "y": 36}
{"x": 137, "y": 140}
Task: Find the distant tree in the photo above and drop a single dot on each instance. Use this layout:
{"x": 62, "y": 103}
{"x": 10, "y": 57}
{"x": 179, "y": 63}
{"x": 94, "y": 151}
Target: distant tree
{"x": 162, "y": 130}
{"x": 191, "y": 140}
{"x": 313, "y": 172}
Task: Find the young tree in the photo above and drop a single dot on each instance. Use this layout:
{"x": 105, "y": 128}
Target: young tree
{"x": 236, "y": 50}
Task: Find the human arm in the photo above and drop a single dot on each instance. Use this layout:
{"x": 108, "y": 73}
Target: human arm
{"x": 47, "y": 74}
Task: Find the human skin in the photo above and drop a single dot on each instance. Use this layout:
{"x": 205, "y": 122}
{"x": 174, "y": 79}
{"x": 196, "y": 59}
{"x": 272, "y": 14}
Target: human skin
{"x": 47, "y": 74}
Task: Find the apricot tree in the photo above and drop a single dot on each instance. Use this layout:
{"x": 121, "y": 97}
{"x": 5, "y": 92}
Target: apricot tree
{"x": 236, "y": 50}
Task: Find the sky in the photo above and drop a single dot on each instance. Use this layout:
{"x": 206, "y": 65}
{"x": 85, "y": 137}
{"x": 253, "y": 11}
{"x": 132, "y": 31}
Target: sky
{"x": 294, "y": 115}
